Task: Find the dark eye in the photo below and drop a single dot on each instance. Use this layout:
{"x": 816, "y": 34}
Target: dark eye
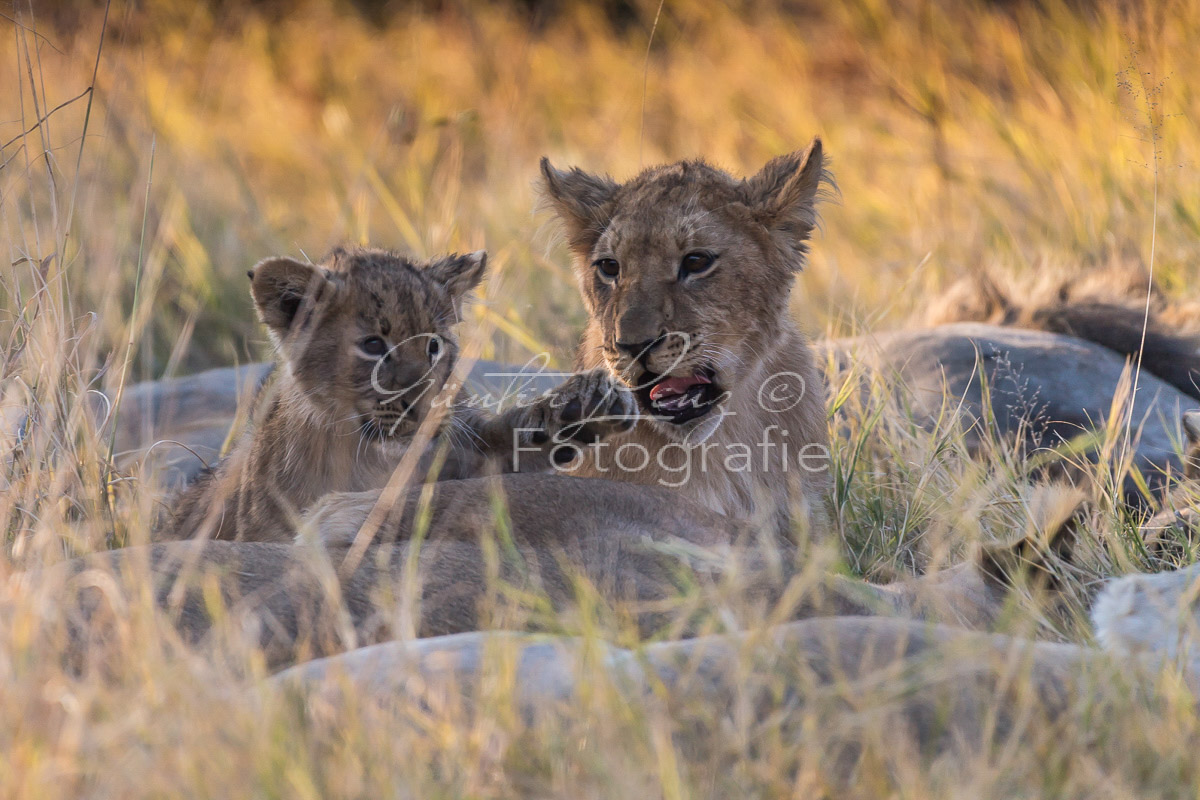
{"x": 608, "y": 268}
{"x": 696, "y": 263}
{"x": 434, "y": 348}
{"x": 373, "y": 346}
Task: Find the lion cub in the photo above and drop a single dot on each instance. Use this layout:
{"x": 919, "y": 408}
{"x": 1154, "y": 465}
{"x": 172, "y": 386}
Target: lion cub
{"x": 365, "y": 347}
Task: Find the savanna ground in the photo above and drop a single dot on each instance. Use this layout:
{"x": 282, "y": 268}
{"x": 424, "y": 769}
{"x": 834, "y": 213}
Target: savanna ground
{"x": 1018, "y": 138}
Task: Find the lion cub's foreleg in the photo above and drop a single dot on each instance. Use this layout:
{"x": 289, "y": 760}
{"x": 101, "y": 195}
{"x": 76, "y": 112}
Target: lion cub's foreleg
{"x": 552, "y": 431}
{"x": 549, "y": 433}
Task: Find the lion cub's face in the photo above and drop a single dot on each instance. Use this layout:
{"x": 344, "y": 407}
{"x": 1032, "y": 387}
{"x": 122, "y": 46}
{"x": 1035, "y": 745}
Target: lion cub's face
{"x": 367, "y": 335}
{"x": 687, "y": 271}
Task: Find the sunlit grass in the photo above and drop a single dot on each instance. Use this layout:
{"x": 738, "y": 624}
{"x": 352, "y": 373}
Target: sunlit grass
{"x": 964, "y": 136}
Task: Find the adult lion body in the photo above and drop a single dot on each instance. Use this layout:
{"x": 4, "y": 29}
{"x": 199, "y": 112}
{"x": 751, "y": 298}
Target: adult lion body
{"x": 638, "y": 559}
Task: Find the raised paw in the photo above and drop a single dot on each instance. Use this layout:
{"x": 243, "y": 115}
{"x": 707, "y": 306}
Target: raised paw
{"x": 586, "y": 408}
{"x": 589, "y": 406}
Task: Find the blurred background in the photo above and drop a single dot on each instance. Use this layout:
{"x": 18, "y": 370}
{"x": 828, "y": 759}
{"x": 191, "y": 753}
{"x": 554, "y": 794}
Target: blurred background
{"x": 1013, "y": 137}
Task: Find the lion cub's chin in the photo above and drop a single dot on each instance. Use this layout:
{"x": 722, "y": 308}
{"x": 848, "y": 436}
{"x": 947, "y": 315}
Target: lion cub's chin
{"x": 691, "y": 433}
{"x": 394, "y": 447}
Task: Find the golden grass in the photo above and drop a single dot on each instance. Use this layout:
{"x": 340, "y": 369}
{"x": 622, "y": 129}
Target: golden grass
{"x": 964, "y": 136}
{"x": 961, "y": 135}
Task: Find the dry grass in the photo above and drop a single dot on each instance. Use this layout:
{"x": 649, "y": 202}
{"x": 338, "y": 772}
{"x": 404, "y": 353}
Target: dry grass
{"x": 964, "y": 136}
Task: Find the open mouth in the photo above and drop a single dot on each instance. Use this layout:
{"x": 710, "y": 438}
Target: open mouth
{"x": 679, "y": 398}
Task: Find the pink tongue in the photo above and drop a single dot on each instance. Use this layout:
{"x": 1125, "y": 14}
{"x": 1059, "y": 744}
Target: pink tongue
{"x": 670, "y": 387}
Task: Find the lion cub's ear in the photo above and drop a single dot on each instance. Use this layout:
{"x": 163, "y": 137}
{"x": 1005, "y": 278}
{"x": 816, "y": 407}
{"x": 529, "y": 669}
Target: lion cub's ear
{"x": 1191, "y": 455}
{"x": 783, "y": 197}
{"x": 1191, "y": 426}
{"x": 458, "y": 274}
{"x": 1056, "y": 526}
{"x": 281, "y": 286}
{"x": 581, "y": 200}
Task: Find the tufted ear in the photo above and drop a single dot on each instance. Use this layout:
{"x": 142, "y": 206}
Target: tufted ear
{"x": 783, "y": 197}
{"x": 1057, "y": 520}
{"x": 581, "y": 200}
{"x": 1191, "y": 426}
{"x": 281, "y": 286}
{"x": 458, "y": 274}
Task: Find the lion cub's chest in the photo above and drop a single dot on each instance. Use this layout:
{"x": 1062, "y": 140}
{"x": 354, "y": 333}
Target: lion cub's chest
{"x": 314, "y": 462}
{"x": 733, "y": 478}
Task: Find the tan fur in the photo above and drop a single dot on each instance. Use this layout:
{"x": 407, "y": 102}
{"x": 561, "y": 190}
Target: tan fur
{"x": 337, "y": 418}
{"x": 993, "y": 297}
{"x": 497, "y": 550}
{"x": 731, "y": 320}
{"x": 1191, "y": 457}
{"x": 857, "y": 683}
{"x": 1153, "y": 615}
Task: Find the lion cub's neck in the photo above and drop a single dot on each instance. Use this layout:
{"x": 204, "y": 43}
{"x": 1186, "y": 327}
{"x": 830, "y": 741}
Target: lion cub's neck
{"x": 768, "y": 460}
{"x": 312, "y": 454}
{"x": 290, "y": 456}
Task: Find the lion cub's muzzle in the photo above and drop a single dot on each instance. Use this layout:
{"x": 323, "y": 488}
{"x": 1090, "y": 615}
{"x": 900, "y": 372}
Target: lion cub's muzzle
{"x": 397, "y": 416}
{"x": 668, "y": 387}
{"x": 678, "y": 398}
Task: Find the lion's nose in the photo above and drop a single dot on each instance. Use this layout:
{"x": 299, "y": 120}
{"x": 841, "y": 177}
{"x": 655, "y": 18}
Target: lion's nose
{"x": 639, "y": 350}
{"x": 407, "y": 379}
{"x": 398, "y": 405}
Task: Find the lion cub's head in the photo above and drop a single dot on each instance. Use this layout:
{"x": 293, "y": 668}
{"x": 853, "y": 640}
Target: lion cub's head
{"x": 366, "y": 335}
{"x": 686, "y": 272}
